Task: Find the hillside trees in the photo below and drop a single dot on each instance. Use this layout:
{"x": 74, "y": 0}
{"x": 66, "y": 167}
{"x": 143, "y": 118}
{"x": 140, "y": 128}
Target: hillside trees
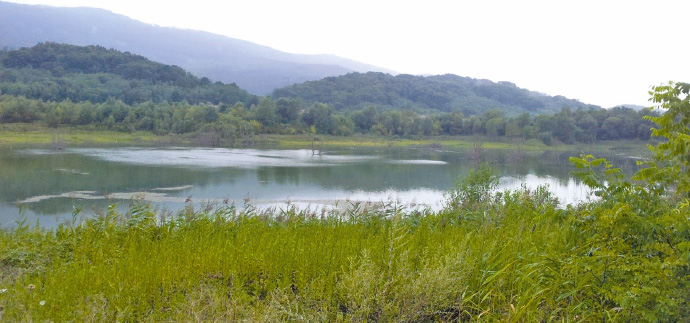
{"x": 57, "y": 72}
{"x": 429, "y": 95}
{"x": 292, "y": 116}
{"x": 64, "y": 85}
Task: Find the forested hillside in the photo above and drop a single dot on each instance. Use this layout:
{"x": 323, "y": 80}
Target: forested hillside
{"x": 57, "y": 72}
{"x": 65, "y": 85}
{"x": 445, "y": 93}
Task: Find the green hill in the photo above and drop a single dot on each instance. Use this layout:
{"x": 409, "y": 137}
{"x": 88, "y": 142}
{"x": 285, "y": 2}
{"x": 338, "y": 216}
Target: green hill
{"x": 57, "y": 72}
{"x": 443, "y": 93}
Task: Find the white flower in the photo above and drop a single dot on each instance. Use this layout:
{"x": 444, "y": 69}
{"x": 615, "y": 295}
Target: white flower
{"x": 42, "y": 303}
{"x": 4, "y": 290}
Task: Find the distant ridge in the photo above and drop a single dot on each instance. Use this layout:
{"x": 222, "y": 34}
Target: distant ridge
{"x": 445, "y": 93}
{"x": 256, "y": 68}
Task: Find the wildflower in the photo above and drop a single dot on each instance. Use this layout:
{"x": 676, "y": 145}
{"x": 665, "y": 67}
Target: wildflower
{"x": 4, "y": 290}
{"x": 31, "y": 286}
{"x": 42, "y": 303}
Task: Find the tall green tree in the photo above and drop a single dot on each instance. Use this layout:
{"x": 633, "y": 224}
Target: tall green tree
{"x": 288, "y": 109}
{"x": 265, "y": 113}
{"x": 319, "y": 116}
{"x": 565, "y": 128}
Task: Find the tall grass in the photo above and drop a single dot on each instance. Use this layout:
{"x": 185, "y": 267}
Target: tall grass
{"x": 508, "y": 256}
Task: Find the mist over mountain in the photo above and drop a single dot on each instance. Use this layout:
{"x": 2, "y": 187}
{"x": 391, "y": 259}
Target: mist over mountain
{"x": 256, "y": 68}
{"x": 445, "y": 93}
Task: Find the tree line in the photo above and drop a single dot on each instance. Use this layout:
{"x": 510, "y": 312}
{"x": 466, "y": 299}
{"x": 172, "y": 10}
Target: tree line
{"x": 292, "y": 116}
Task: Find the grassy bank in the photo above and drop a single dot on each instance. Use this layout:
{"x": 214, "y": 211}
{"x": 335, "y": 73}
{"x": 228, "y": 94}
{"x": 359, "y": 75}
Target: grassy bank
{"x": 628, "y": 147}
{"x": 511, "y": 256}
{"x": 35, "y": 135}
{"x": 458, "y": 142}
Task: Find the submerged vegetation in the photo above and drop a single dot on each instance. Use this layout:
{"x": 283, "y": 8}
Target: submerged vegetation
{"x": 508, "y": 256}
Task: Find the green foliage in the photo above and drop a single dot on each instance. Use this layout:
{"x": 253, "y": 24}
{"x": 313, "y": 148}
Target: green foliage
{"x": 288, "y": 110}
{"x": 265, "y": 113}
{"x": 321, "y": 117}
{"x": 670, "y": 169}
{"x": 609, "y": 178}
{"x": 475, "y": 191}
{"x": 635, "y": 255}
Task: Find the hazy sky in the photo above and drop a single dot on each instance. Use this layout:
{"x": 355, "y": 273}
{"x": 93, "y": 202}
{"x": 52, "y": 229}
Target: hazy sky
{"x": 602, "y": 52}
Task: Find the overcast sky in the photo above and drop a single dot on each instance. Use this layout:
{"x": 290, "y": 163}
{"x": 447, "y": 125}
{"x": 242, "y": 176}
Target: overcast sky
{"x": 601, "y": 52}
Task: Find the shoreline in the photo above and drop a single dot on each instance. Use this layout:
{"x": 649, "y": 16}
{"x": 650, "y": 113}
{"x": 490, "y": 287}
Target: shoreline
{"x": 33, "y": 136}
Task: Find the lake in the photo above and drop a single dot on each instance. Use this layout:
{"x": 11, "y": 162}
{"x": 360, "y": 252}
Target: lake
{"x": 48, "y": 185}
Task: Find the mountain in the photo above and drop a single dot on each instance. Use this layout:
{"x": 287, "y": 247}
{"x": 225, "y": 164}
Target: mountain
{"x": 256, "y": 68}
{"x": 58, "y": 72}
{"x": 444, "y": 93}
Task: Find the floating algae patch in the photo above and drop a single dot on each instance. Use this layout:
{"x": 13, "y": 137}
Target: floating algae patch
{"x": 144, "y": 196}
{"x": 71, "y": 171}
{"x": 91, "y": 195}
{"x": 86, "y": 195}
{"x": 176, "y": 188}
{"x": 418, "y": 162}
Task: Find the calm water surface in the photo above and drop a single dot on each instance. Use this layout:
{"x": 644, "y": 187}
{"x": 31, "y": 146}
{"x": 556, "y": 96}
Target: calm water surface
{"x": 47, "y": 185}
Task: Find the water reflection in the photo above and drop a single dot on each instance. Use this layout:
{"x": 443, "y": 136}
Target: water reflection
{"x": 567, "y": 190}
{"x": 51, "y": 183}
